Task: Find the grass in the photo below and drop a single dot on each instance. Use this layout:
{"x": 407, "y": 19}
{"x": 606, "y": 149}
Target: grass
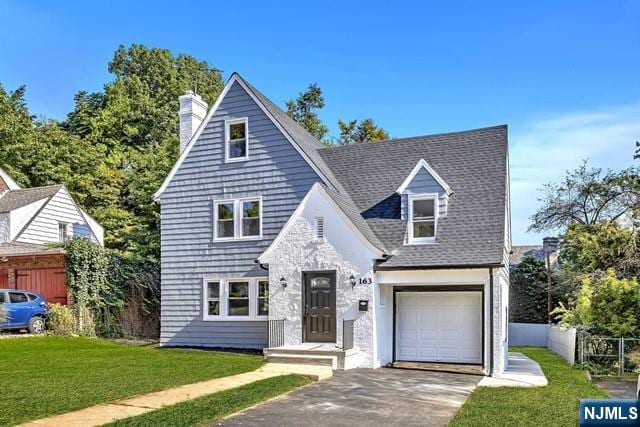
{"x": 556, "y": 404}
{"x": 43, "y": 376}
{"x": 208, "y": 409}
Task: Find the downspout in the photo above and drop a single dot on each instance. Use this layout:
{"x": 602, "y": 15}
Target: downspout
{"x": 490, "y": 321}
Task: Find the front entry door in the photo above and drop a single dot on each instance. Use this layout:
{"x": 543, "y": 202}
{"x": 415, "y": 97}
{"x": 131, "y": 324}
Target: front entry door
{"x": 320, "y": 306}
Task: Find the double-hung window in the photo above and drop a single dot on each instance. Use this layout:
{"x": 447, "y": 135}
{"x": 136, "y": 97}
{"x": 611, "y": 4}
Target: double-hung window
{"x": 236, "y": 299}
{"x": 238, "y": 219}
{"x": 236, "y": 140}
{"x": 212, "y": 306}
{"x": 423, "y": 215}
{"x": 263, "y": 298}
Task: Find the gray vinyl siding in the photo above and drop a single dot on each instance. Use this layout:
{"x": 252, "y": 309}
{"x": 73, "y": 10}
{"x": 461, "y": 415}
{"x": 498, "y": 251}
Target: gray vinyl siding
{"x": 275, "y": 171}
{"x": 423, "y": 183}
{"x": 43, "y": 228}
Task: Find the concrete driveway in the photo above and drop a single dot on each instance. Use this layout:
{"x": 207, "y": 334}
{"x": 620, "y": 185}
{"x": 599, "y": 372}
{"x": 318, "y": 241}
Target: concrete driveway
{"x": 366, "y": 397}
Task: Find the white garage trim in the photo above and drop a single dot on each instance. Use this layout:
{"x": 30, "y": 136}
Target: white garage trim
{"x": 420, "y": 319}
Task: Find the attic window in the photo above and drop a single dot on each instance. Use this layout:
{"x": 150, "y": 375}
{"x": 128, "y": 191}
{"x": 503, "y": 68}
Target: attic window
{"x": 236, "y": 140}
{"x": 423, "y": 213}
{"x": 319, "y": 228}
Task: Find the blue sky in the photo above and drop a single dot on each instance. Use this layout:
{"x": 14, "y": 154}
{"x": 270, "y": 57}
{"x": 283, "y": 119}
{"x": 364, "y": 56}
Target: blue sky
{"x": 564, "y": 75}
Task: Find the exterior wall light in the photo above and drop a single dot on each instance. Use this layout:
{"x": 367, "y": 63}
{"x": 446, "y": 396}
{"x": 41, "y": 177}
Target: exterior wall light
{"x": 352, "y": 280}
{"x": 283, "y": 282}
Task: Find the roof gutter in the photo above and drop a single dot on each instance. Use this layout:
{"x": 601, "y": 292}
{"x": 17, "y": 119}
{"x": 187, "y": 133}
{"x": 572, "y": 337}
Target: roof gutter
{"x": 491, "y": 321}
{"x": 438, "y": 267}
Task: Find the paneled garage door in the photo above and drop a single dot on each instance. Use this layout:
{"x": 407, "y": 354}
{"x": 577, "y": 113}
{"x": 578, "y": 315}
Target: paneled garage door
{"x": 48, "y": 282}
{"x": 443, "y": 327}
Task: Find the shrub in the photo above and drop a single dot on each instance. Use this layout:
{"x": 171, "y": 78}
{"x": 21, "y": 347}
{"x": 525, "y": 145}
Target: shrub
{"x": 61, "y": 320}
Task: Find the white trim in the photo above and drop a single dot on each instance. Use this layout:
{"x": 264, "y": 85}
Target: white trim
{"x": 224, "y": 299}
{"x": 11, "y": 184}
{"x": 234, "y": 78}
{"x": 422, "y": 240}
{"x": 423, "y": 164}
{"x": 316, "y": 188}
{"x": 237, "y": 219}
{"x": 227, "y": 140}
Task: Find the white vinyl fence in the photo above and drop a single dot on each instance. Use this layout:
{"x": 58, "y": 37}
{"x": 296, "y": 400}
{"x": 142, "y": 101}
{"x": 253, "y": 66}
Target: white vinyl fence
{"x": 559, "y": 340}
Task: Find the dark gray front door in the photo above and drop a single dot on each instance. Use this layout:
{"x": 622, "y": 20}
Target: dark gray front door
{"x": 320, "y": 306}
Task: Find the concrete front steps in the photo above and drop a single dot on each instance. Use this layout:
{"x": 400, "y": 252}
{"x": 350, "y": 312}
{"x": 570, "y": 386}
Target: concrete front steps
{"x": 317, "y": 355}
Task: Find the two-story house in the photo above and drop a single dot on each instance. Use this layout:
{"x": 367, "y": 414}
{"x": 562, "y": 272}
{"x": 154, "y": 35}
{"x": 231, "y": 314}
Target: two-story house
{"x": 33, "y": 222}
{"x": 366, "y": 255}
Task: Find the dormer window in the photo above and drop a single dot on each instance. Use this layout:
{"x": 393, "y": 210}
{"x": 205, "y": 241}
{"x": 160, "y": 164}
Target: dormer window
{"x": 236, "y": 140}
{"x": 423, "y": 215}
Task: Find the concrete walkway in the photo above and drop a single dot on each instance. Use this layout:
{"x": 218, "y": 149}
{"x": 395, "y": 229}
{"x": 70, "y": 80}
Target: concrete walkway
{"x": 521, "y": 372}
{"x": 137, "y": 405}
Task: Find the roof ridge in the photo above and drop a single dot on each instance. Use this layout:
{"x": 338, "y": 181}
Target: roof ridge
{"x": 404, "y": 138}
{"x": 38, "y": 188}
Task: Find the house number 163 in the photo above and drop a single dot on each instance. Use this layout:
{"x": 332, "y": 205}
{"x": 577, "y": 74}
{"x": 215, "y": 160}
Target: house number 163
{"x": 365, "y": 281}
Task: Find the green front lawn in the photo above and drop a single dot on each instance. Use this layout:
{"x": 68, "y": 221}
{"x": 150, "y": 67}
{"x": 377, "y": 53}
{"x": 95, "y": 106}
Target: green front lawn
{"x": 208, "y": 409}
{"x": 43, "y": 376}
{"x": 554, "y": 405}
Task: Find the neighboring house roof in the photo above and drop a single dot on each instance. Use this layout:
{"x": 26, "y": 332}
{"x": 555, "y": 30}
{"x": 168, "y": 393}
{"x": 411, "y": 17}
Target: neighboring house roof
{"x": 473, "y": 163}
{"x": 15, "y": 199}
{"x": 518, "y": 253}
{"x": 16, "y": 249}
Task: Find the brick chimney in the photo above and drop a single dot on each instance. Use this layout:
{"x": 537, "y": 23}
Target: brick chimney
{"x": 192, "y": 112}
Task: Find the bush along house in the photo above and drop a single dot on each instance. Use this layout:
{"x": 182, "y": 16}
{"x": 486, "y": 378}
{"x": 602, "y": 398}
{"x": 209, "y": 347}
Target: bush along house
{"x": 365, "y": 255}
{"x": 33, "y": 224}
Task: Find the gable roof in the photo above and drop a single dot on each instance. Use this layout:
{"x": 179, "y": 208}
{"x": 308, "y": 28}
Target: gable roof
{"x": 15, "y": 199}
{"x": 350, "y": 216}
{"x": 473, "y": 162}
{"x": 422, "y": 164}
{"x": 305, "y": 143}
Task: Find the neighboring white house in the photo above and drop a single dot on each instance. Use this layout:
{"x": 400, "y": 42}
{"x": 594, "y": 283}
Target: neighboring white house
{"x": 356, "y": 256}
{"x": 32, "y": 221}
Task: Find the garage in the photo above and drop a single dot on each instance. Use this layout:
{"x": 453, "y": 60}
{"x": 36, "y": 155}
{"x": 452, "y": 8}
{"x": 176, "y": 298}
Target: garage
{"x": 439, "y": 326}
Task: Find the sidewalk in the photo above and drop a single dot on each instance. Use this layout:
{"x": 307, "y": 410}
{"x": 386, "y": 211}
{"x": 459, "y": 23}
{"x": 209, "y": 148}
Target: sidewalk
{"x": 521, "y": 372}
{"x": 132, "y": 406}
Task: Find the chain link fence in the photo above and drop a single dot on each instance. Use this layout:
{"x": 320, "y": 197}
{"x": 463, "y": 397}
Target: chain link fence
{"x": 607, "y": 355}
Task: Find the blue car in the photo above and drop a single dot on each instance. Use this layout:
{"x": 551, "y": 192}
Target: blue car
{"x": 24, "y": 310}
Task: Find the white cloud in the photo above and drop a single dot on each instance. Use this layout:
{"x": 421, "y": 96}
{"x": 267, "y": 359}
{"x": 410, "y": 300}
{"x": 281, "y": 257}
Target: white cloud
{"x": 543, "y": 149}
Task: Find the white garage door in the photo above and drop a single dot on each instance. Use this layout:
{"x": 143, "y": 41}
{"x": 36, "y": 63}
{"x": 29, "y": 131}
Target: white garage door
{"x": 439, "y": 327}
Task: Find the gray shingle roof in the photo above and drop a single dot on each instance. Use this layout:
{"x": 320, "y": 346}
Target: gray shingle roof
{"x": 366, "y": 176}
{"x": 15, "y": 199}
{"x": 520, "y": 252}
{"x": 473, "y": 163}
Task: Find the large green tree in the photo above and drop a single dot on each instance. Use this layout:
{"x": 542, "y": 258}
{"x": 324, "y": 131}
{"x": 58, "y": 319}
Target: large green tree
{"x": 135, "y": 122}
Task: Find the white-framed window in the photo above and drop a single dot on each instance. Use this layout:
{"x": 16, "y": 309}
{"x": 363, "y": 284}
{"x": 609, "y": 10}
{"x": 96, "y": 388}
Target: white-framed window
{"x": 422, "y": 218}
{"x": 212, "y": 298}
{"x": 63, "y": 232}
{"x": 235, "y": 299}
{"x": 236, "y": 140}
{"x": 262, "y": 299}
{"x": 237, "y": 219}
